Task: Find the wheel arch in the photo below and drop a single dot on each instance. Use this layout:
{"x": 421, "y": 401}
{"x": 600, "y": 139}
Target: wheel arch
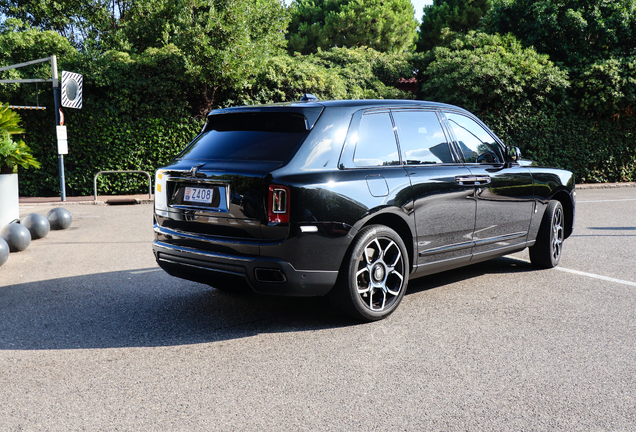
{"x": 568, "y": 208}
{"x": 400, "y": 226}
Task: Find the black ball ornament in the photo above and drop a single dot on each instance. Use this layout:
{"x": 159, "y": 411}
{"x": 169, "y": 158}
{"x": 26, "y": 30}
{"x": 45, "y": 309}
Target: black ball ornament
{"x": 4, "y": 251}
{"x": 59, "y": 218}
{"x": 17, "y": 237}
{"x": 37, "y": 224}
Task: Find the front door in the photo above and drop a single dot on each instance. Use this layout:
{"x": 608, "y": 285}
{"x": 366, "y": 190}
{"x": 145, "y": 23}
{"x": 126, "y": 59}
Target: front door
{"x": 503, "y": 191}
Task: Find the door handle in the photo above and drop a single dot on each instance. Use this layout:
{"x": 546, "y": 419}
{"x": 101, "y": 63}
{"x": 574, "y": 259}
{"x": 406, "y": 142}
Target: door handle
{"x": 472, "y": 180}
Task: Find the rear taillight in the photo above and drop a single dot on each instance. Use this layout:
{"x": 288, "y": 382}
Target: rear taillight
{"x": 278, "y": 204}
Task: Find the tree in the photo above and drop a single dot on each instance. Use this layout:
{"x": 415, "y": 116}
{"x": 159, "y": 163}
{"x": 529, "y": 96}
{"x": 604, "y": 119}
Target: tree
{"x": 82, "y": 22}
{"x": 484, "y": 72}
{"x": 457, "y": 15}
{"x": 221, "y": 41}
{"x": 384, "y": 25}
{"x": 594, "y": 40}
{"x": 572, "y": 32}
{"x": 339, "y": 73}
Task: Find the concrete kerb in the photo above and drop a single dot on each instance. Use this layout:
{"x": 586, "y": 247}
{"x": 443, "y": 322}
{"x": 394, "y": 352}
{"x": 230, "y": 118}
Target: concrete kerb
{"x": 101, "y": 200}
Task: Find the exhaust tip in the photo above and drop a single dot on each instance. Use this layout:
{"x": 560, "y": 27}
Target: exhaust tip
{"x": 269, "y": 275}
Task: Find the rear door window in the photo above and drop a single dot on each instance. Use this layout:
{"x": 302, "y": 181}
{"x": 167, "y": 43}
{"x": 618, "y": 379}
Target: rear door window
{"x": 249, "y": 136}
{"x": 376, "y": 145}
{"x": 422, "y": 139}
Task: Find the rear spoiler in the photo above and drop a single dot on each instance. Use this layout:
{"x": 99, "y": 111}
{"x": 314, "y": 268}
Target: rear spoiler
{"x": 310, "y": 111}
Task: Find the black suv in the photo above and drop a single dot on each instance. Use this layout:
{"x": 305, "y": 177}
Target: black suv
{"x": 351, "y": 199}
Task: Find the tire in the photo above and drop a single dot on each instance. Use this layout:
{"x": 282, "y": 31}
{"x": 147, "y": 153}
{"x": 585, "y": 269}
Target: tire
{"x": 374, "y": 275}
{"x": 546, "y": 252}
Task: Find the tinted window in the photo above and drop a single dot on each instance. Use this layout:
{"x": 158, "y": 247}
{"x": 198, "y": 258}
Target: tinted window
{"x": 422, "y": 139}
{"x": 249, "y": 136}
{"x": 475, "y": 143}
{"x": 376, "y": 144}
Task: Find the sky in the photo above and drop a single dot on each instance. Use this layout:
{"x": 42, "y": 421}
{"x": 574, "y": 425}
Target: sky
{"x": 418, "y": 5}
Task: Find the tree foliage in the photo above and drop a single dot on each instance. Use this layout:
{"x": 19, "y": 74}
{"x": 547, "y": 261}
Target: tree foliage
{"x": 82, "y": 22}
{"x": 481, "y": 72}
{"x": 384, "y": 25}
{"x": 457, "y": 15}
{"x": 13, "y": 153}
{"x": 595, "y": 40}
{"x": 340, "y": 73}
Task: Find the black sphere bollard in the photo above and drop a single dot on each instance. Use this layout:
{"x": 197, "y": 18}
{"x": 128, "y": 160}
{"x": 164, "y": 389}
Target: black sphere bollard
{"x": 59, "y": 218}
{"x": 37, "y": 224}
{"x": 17, "y": 237}
{"x": 4, "y": 251}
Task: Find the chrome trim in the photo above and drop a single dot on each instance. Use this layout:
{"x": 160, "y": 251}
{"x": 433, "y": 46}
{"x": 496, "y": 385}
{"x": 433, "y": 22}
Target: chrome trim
{"x": 198, "y": 208}
{"x": 210, "y": 255}
{"x": 451, "y": 248}
{"x": 500, "y": 238}
{"x": 176, "y": 233}
{"x": 202, "y": 267}
{"x": 474, "y": 243}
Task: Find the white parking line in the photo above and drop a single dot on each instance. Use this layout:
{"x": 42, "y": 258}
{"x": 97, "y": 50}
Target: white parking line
{"x": 590, "y": 275}
{"x": 595, "y": 276}
{"x": 602, "y": 201}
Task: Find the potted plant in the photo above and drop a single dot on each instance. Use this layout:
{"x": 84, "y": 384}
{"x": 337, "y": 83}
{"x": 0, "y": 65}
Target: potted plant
{"x": 12, "y": 154}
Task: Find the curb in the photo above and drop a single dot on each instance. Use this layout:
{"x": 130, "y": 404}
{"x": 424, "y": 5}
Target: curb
{"x": 604, "y": 185}
{"x": 114, "y": 201}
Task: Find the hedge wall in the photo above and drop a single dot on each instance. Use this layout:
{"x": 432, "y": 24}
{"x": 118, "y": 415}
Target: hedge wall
{"x": 596, "y": 149}
{"x": 100, "y": 142}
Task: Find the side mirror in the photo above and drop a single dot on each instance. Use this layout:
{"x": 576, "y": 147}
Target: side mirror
{"x": 514, "y": 154}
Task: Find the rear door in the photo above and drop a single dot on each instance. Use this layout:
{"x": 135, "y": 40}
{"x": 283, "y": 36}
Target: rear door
{"x": 444, "y": 209}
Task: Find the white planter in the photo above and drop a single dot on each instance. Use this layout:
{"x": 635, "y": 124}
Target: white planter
{"x": 9, "y": 199}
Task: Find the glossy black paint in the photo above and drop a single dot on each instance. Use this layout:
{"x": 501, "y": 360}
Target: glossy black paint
{"x": 444, "y": 220}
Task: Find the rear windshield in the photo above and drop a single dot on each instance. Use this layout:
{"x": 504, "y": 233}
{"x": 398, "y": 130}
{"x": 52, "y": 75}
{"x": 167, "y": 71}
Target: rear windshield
{"x": 248, "y": 136}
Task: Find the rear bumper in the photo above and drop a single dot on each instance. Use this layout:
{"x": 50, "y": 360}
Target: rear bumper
{"x": 261, "y": 274}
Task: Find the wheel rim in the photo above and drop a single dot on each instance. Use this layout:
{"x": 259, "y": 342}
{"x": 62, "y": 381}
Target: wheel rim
{"x": 557, "y": 234}
{"x": 380, "y": 274}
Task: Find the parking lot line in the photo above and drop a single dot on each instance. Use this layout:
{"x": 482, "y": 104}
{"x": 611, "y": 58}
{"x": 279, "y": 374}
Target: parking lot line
{"x": 590, "y": 275}
{"x": 595, "y": 276}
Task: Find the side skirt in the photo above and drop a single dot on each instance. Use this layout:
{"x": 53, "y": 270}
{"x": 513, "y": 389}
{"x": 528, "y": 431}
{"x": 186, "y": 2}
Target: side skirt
{"x": 453, "y": 263}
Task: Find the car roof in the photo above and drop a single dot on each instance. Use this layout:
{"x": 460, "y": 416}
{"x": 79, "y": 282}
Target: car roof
{"x": 349, "y": 103}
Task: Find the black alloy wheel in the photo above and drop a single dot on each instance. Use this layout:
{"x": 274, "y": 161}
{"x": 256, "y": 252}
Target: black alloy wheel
{"x": 375, "y": 274}
{"x": 546, "y": 252}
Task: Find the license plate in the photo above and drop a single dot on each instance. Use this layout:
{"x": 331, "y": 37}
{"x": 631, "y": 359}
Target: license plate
{"x": 198, "y": 195}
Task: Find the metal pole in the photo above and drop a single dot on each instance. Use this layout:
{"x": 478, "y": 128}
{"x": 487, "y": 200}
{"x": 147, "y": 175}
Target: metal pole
{"x": 56, "y": 100}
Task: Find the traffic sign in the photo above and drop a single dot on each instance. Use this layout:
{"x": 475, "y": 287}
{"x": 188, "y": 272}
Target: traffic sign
{"x": 72, "y": 84}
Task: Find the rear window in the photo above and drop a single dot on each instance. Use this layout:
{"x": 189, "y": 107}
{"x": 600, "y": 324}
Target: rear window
{"x": 249, "y": 136}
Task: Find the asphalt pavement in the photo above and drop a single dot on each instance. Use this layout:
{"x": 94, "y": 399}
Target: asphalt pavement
{"x": 94, "y": 336}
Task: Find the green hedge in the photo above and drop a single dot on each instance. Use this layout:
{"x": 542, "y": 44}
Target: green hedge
{"x": 100, "y": 142}
{"x": 596, "y": 149}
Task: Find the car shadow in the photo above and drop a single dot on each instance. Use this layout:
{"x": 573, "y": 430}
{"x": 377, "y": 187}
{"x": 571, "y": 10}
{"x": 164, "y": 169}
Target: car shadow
{"x": 148, "y": 308}
{"x": 507, "y": 264}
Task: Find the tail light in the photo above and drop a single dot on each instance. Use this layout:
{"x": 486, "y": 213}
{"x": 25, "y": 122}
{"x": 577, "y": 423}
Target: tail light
{"x": 278, "y": 204}
{"x": 161, "y": 200}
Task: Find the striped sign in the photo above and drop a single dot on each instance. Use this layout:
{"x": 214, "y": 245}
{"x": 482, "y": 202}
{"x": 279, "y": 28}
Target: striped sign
{"x": 72, "y": 84}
